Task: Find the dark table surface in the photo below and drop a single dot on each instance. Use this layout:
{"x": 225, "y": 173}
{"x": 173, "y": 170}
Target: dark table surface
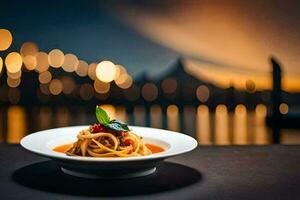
{"x": 232, "y": 172}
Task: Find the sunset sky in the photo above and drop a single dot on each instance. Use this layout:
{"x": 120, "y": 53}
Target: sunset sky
{"x": 229, "y": 41}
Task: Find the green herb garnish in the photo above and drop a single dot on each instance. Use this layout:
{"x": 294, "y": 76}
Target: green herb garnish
{"x": 114, "y": 124}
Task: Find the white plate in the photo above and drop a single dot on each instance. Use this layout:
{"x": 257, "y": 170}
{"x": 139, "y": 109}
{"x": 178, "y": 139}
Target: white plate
{"x": 43, "y": 142}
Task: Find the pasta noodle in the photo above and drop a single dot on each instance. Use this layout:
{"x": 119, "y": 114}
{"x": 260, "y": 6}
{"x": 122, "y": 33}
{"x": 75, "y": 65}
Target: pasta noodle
{"x": 108, "y": 144}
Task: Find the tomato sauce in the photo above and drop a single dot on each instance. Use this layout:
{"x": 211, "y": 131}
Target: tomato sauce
{"x": 154, "y": 148}
{"x": 63, "y": 148}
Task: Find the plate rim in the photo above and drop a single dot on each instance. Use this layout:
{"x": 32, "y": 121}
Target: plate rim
{"x": 60, "y": 156}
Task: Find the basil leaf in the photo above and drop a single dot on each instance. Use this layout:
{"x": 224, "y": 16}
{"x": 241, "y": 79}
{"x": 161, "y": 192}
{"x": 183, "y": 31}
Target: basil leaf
{"x": 102, "y": 116}
{"x": 118, "y": 126}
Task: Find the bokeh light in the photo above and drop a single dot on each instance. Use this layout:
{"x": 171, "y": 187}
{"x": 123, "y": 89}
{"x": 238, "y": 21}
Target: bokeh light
{"x": 110, "y": 109}
{"x": 15, "y": 75}
{"x": 82, "y": 68}
{"x": 105, "y": 71}
{"x": 169, "y": 85}
{"x": 121, "y": 79}
{"x": 101, "y": 87}
{"x": 261, "y": 110}
{"x": 125, "y": 84}
{"x": 55, "y": 87}
{"x": 45, "y": 77}
{"x": 118, "y": 71}
{"x": 86, "y": 91}
{"x": 70, "y": 63}
{"x": 250, "y": 86}
{"x": 29, "y": 48}
{"x": 56, "y": 58}
{"x": 202, "y": 93}
{"x": 68, "y": 85}
{"x": 30, "y": 62}
{"x": 5, "y": 39}
{"x": 42, "y": 62}
{"x": 13, "y": 82}
{"x": 13, "y": 62}
{"x": 132, "y": 93}
{"x": 92, "y": 71}
{"x": 284, "y": 108}
{"x": 149, "y": 92}
{"x": 44, "y": 88}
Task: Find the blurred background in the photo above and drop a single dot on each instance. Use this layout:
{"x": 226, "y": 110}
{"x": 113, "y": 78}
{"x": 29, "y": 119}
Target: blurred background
{"x": 223, "y": 71}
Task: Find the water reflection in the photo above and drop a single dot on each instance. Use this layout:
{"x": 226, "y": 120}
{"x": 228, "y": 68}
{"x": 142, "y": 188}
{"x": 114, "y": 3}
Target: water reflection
{"x": 203, "y": 125}
{"x": 261, "y": 134}
{"x": 16, "y": 124}
{"x": 156, "y": 116}
{"x": 240, "y": 125}
{"x": 173, "y": 118}
{"x": 221, "y": 126}
{"x": 209, "y": 128}
{"x": 139, "y": 115}
{"x": 44, "y": 118}
{"x": 62, "y": 117}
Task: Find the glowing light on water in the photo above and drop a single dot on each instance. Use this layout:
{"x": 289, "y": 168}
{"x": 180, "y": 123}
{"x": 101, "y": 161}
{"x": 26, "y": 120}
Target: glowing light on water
{"x": 16, "y": 124}
{"x": 5, "y": 39}
{"x": 173, "y": 118}
{"x": 70, "y": 63}
{"x": 56, "y": 58}
{"x": 13, "y": 62}
{"x": 156, "y": 116}
{"x": 221, "y": 125}
{"x": 105, "y": 71}
{"x": 240, "y": 125}
{"x": 203, "y": 125}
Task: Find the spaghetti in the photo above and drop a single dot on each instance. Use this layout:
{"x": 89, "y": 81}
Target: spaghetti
{"x": 108, "y": 144}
